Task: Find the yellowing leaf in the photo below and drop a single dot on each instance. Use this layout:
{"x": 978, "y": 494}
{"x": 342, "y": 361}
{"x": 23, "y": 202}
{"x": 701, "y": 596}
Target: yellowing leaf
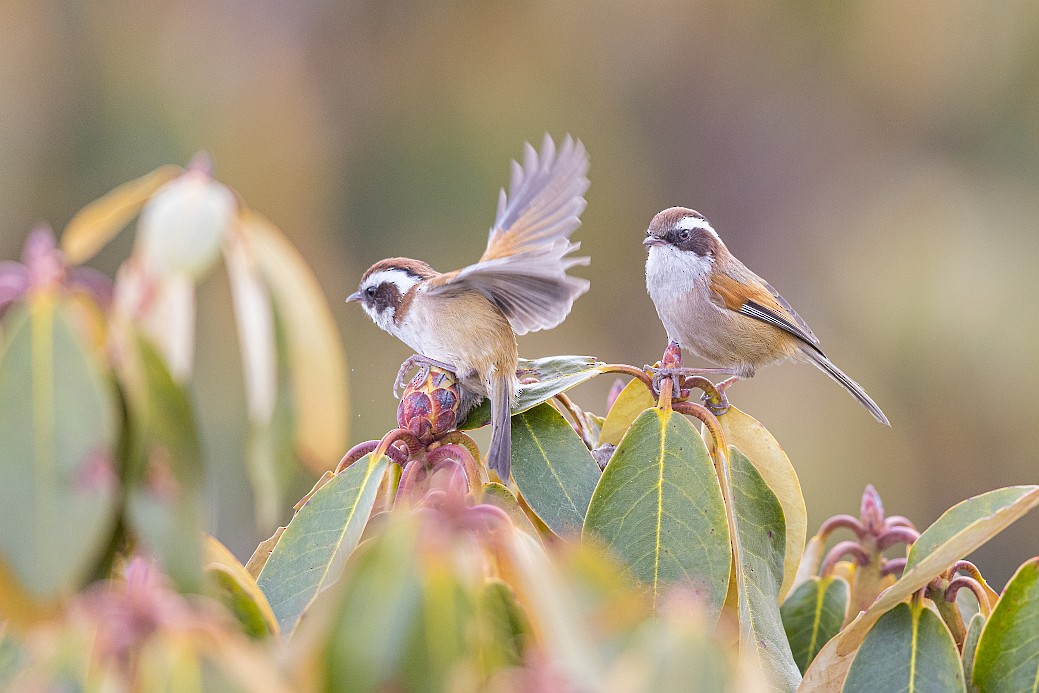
{"x": 958, "y": 532}
{"x": 317, "y": 363}
{"x": 754, "y": 441}
{"x": 216, "y": 557}
{"x": 97, "y": 223}
{"x": 632, "y": 401}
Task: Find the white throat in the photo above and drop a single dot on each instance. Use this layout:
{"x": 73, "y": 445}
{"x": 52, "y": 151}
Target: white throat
{"x": 671, "y": 273}
{"x": 400, "y": 279}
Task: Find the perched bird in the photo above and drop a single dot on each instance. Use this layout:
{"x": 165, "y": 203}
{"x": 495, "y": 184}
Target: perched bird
{"x": 466, "y": 321}
{"x": 712, "y": 305}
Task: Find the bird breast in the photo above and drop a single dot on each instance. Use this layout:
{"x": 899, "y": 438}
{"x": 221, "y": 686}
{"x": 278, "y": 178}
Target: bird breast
{"x": 680, "y": 288}
{"x": 464, "y": 330}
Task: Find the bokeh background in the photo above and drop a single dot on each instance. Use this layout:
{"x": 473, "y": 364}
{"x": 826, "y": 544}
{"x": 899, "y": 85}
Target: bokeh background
{"x": 877, "y": 161}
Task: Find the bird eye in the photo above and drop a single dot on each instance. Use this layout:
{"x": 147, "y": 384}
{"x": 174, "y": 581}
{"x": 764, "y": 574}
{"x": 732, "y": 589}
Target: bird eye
{"x": 683, "y": 235}
{"x": 370, "y": 291}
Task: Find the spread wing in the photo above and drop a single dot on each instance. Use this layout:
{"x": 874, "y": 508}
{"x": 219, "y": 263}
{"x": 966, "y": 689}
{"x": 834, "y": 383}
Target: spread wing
{"x": 752, "y": 296}
{"x": 523, "y": 270}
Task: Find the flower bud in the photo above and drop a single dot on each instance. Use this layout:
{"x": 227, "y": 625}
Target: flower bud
{"x": 429, "y": 408}
{"x": 182, "y": 227}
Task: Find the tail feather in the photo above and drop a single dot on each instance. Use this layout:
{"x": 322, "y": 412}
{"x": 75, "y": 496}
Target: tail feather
{"x": 499, "y": 458}
{"x": 826, "y": 366}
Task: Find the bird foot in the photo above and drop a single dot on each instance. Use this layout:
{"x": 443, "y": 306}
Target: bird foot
{"x": 719, "y": 404}
{"x": 424, "y": 363}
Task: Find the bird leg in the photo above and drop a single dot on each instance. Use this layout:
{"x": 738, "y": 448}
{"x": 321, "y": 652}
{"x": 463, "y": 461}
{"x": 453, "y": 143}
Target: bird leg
{"x": 721, "y": 405}
{"x": 423, "y": 373}
{"x": 670, "y": 366}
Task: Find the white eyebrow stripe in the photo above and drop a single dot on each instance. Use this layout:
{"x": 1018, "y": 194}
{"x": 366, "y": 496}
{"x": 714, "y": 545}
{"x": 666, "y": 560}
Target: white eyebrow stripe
{"x": 401, "y": 279}
{"x": 689, "y": 223}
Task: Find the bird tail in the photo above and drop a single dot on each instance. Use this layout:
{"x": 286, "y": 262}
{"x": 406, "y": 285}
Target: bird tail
{"x": 499, "y": 458}
{"x": 826, "y": 366}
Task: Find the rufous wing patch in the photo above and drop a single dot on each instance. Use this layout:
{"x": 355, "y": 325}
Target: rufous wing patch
{"x": 758, "y": 301}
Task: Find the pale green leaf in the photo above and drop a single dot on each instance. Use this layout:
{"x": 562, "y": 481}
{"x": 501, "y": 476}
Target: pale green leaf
{"x": 552, "y": 468}
{"x": 658, "y": 507}
{"x": 58, "y": 427}
{"x": 909, "y": 650}
{"x": 319, "y": 538}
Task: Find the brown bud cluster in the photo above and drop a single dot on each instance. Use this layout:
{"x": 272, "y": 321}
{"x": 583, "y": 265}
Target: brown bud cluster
{"x": 429, "y": 408}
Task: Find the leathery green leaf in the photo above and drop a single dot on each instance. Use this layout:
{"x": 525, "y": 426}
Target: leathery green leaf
{"x": 954, "y": 535}
{"x": 812, "y": 614}
{"x": 554, "y": 374}
{"x": 316, "y": 542}
{"x": 238, "y": 590}
{"x": 759, "y": 550}
{"x": 767, "y": 456}
{"x": 1007, "y": 658}
{"x": 634, "y": 399}
{"x": 909, "y": 649}
{"x": 658, "y": 507}
{"x": 164, "y": 470}
{"x": 992, "y": 511}
{"x": 371, "y": 613}
{"x": 970, "y": 648}
{"x": 58, "y": 423}
{"x": 553, "y": 468}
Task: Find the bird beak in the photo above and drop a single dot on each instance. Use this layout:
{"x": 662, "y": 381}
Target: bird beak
{"x": 653, "y": 241}
{"x": 355, "y": 297}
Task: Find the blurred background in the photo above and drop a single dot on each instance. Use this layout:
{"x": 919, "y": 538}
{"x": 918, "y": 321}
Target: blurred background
{"x": 877, "y": 162}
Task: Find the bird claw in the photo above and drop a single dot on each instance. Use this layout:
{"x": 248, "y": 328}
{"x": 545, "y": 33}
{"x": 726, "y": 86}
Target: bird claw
{"x": 716, "y": 407}
{"x": 424, "y": 364}
{"x": 660, "y": 374}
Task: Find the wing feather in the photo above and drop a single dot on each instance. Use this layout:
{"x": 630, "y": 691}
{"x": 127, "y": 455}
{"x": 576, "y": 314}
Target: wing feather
{"x": 523, "y": 270}
{"x": 755, "y": 298}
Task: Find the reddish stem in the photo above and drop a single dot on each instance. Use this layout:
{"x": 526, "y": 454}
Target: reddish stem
{"x": 638, "y": 373}
{"x": 460, "y": 455}
{"x": 841, "y": 550}
{"x": 841, "y": 521}
{"x": 355, "y": 453}
{"x": 973, "y": 585}
{"x": 899, "y": 521}
{"x": 703, "y": 414}
{"x": 969, "y": 568}
{"x": 580, "y": 422}
{"x": 408, "y": 479}
{"x": 897, "y": 535}
{"x": 892, "y": 566}
{"x": 459, "y": 438}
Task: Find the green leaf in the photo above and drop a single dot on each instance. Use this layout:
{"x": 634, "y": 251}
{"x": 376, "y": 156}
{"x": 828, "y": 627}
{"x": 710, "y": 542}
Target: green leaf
{"x": 754, "y": 440}
{"x": 164, "y": 465}
{"x": 1008, "y": 652}
{"x": 909, "y": 649}
{"x": 954, "y": 535}
{"x": 12, "y": 657}
{"x": 985, "y": 515}
{"x": 812, "y": 614}
{"x": 555, "y": 374}
{"x": 761, "y": 539}
{"x": 970, "y": 648}
{"x": 553, "y": 468}
{"x": 372, "y": 612}
{"x": 658, "y": 507}
{"x": 502, "y": 627}
{"x": 58, "y": 484}
{"x": 238, "y": 590}
{"x": 501, "y": 497}
{"x": 311, "y": 552}
{"x": 634, "y": 399}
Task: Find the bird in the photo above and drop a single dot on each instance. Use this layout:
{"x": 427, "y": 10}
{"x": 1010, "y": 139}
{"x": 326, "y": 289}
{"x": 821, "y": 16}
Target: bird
{"x": 466, "y": 321}
{"x": 713, "y": 306}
